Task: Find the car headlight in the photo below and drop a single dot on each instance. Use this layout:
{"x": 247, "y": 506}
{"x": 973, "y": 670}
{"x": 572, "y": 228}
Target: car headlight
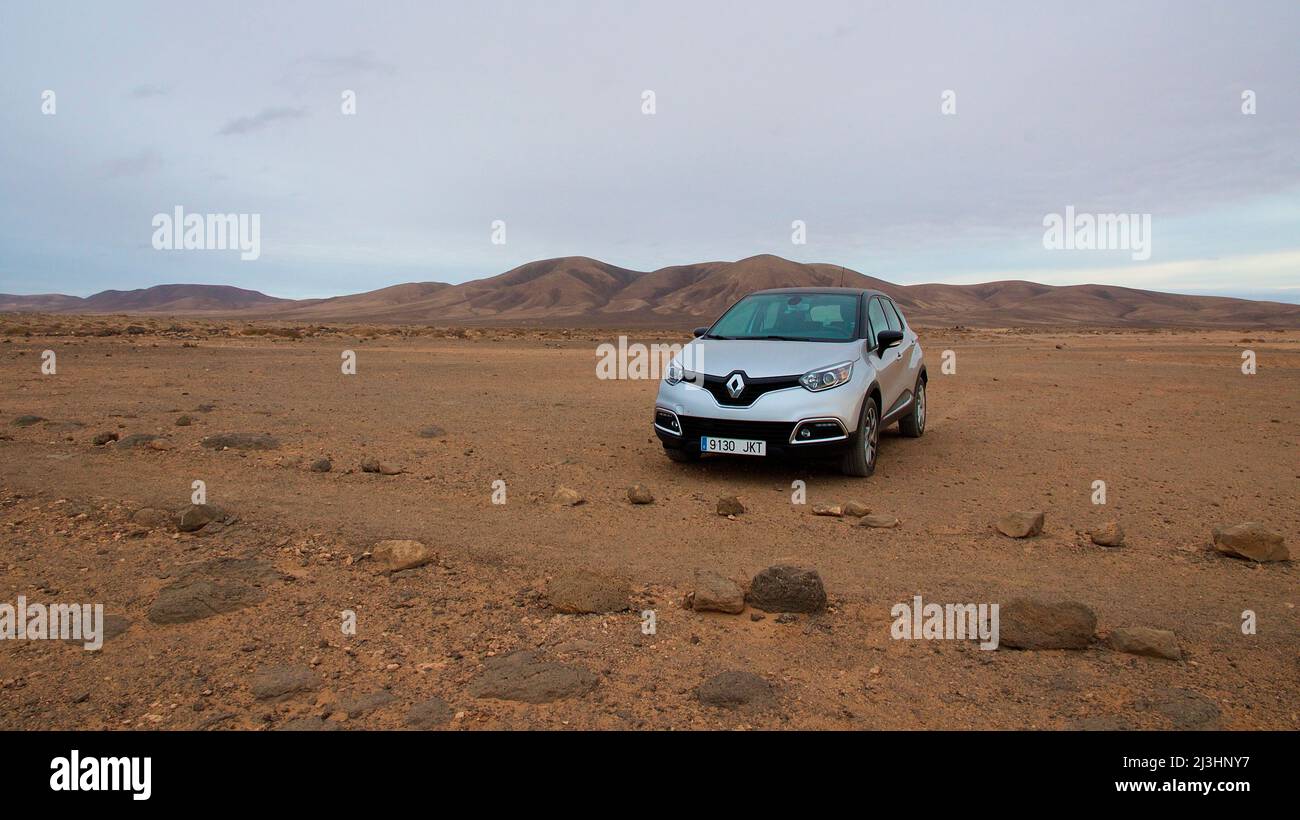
{"x": 827, "y": 377}
{"x": 674, "y": 373}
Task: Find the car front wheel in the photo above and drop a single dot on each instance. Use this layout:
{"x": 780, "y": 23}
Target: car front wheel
{"x": 861, "y": 459}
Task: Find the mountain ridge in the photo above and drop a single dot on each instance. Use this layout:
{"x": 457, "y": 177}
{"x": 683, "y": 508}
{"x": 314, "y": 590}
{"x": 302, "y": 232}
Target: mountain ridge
{"x": 581, "y": 291}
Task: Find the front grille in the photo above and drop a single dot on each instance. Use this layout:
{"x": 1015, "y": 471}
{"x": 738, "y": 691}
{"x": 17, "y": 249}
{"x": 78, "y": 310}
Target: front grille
{"x": 717, "y": 386}
{"x": 773, "y": 432}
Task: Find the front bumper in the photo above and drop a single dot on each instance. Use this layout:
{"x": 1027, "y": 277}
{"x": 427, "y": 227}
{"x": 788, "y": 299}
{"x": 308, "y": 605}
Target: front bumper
{"x": 773, "y": 418}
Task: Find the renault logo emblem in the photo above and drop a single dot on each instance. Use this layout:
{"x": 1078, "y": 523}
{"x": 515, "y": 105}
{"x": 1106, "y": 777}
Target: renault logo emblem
{"x": 735, "y": 385}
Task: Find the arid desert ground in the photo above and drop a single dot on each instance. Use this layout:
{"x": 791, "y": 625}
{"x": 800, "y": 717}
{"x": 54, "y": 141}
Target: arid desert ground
{"x": 1029, "y": 420}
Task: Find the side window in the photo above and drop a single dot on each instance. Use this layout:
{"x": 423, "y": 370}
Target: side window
{"x": 891, "y": 316}
{"x": 876, "y": 315}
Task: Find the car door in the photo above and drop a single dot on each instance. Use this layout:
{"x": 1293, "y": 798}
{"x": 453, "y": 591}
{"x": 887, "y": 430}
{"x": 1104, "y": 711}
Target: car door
{"x": 890, "y": 368}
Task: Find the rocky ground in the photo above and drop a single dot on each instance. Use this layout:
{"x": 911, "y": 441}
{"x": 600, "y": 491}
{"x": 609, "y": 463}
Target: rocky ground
{"x": 332, "y": 496}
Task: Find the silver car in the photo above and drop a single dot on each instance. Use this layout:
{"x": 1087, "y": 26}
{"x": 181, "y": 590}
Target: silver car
{"x": 814, "y": 372}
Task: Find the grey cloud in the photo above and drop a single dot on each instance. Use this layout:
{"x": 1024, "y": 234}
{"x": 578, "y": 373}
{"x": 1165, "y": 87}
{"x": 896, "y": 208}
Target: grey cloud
{"x": 135, "y": 165}
{"x": 147, "y": 90}
{"x": 262, "y": 119}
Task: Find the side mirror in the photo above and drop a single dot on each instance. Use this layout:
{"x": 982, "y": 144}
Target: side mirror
{"x": 886, "y": 339}
{"x": 699, "y": 331}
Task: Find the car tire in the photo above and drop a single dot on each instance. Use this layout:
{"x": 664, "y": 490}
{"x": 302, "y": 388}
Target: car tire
{"x": 860, "y": 461}
{"x": 913, "y": 424}
{"x": 681, "y": 455}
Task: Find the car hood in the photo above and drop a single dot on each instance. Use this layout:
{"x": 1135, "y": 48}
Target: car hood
{"x": 763, "y": 358}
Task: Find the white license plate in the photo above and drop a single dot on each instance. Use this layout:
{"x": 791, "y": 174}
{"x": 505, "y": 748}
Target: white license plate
{"x": 733, "y": 446}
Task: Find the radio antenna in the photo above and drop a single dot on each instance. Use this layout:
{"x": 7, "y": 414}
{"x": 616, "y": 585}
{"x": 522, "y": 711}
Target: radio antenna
{"x": 842, "y": 274}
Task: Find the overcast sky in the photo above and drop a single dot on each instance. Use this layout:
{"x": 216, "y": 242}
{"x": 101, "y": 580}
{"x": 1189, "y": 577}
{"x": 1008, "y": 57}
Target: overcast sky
{"x": 765, "y": 113}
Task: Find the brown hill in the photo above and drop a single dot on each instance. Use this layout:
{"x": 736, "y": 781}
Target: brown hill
{"x": 579, "y": 291}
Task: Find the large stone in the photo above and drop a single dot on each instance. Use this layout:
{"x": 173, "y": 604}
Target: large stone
{"x": 730, "y": 505}
{"x": 1028, "y": 623}
{"x": 101, "y": 439}
{"x": 356, "y": 705}
{"x": 1252, "y": 541}
{"x": 1143, "y": 640}
{"x": 715, "y": 593}
{"x": 432, "y": 431}
{"x": 1109, "y": 534}
{"x": 240, "y": 441}
{"x": 878, "y": 520}
{"x": 856, "y": 509}
{"x": 398, "y": 555}
{"x": 197, "y": 516}
{"x": 27, "y": 420}
{"x": 567, "y": 497}
{"x": 154, "y": 518}
{"x": 524, "y": 676}
{"x": 581, "y": 591}
{"x": 787, "y": 588}
{"x": 640, "y": 494}
{"x": 433, "y": 713}
{"x": 213, "y": 588}
{"x": 280, "y": 682}
{"x": 832, "y": 510}
{"x": 1186, "y": 710}
{"x": 1021, "y": 523}
{"x": 734, "y": 690}
{"x": 135, "y": 441}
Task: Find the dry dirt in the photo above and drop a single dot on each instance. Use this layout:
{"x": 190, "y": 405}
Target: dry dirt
{"x": 1182, "y": 438}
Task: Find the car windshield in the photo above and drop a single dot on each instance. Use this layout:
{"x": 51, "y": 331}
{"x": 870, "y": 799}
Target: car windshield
{"x": 796, "y": 317}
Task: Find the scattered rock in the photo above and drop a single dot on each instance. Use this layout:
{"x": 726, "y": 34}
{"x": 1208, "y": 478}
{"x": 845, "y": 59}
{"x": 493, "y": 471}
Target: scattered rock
{"x": 279, "y": 682}
{"x": 1028, "y": 623}
{"x": 715, "y": 593}
{"x": 398, "y": 555}
{"x": 1142, "y": 640}
{"x": 878, "y": 520}
{"x": 734, "y": 690}
{"x": 27, "y": 421}
{"x": 787, "y": 588}
{"x": 730, "y": 505}
{"x": 834, "y": 510}
{"x": 369, "y": 465}
{"x": 433, "y": 713}
{"x": 1251, "y": 541}
{"x": 240, "y": 441}
{"x": 640, "y": 494}
{"x": 321, "y": 465}
{"x": 1021, "y": 524}
{"x": 432, "y": 431}
{"x": 389, "y": 468}
{"x": 213, "y": 588}
{"x": 1109, "y": 534}
{"x": 567, "y": 497}
{"x": 582, "y": 591}
{"x": 184, "y": 421}
{"x": 197, "y": 516}
{"x": 160, "y": 444}
{"x": 135, "y": 440}
{"x": 523, "y": 676}
{"x": 101, "y": 439}
{"x": 856, "y": 509}
{"x": 787, "y": 618}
